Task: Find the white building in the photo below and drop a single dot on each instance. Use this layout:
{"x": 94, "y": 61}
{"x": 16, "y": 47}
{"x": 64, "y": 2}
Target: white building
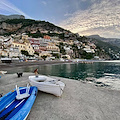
{"x": 14, "y": 52}
{"x": 88, "y": 49}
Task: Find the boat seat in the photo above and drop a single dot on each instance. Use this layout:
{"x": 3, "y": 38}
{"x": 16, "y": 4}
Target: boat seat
{"x": 21, "y": 95}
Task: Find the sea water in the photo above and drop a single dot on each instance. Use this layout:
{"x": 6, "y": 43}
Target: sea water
{"x": 104, "y": 74}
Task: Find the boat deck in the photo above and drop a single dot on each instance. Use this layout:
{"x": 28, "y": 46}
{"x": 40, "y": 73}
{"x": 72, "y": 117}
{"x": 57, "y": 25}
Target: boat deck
{"x": 11, "y": 110}
{"x": 9, "y": 105}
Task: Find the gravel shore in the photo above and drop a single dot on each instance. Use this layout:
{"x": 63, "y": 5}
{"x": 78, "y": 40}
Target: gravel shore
{"x": 80, "y": 101}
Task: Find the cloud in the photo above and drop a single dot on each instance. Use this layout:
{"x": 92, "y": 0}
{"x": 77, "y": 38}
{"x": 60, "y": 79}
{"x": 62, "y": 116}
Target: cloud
{"x": 6, "y": 6}
{"x": 101, "y": 18}
{"x": 67, "y": 14}
{"x": 83, "y": 0}
{"x": 43, "y": 2}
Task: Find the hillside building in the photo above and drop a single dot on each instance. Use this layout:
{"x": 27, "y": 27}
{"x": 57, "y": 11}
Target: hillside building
{"x": 23, "y": 46}
{"x": 53, "y": 48}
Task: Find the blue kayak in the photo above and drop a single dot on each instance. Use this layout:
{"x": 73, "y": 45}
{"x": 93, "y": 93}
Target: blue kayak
{"x": 17, "y": 104}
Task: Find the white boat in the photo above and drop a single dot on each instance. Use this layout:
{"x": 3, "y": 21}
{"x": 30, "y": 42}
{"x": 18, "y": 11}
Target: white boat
{"x": 3, "y": 72}
{"x": 6, "y": 60}
{"x": 47, "y": 84}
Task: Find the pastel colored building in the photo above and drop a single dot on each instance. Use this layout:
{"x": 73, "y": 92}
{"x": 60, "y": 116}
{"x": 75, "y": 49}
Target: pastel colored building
{"x": 35, "y": 44}
{"x": 45, "y": 53}
{"x": 23, "y": 46}
{"x": 4, "y": 52}
{"x": 24, "y": 37}
{"x": 20, "y": 46}
{"x": 53, "y": 48}
{"x": 7, "y": 42}
{"x": 46, "y": 37}
{"x": 14, "y": 52}
{"x": 29, "y": 48}
{"x": 88, "y": 49}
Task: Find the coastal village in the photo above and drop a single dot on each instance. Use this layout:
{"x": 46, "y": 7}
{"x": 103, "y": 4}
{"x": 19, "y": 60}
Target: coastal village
{"x": 23, "y": 47}
{"x": 26, "y": 48}
{"x": 25, "y": 39}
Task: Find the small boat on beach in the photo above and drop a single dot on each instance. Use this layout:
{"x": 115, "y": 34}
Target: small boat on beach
{"x": 47, "y": 84}
{"x": 17, "y": 104}
{"x": 3, "y": 72}
{"x": 6, "y": 60}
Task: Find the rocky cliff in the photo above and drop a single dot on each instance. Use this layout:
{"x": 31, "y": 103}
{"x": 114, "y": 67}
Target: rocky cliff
{"x": 26, "y": 25}
{"x": 5, "y": 17}
{"x": 6, "y": 28}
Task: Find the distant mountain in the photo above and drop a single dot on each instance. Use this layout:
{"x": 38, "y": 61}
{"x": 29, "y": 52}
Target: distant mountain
{"x": 113, "y": 41}
{"x": 5, "y": 17}
{"x": 95, "y": 36}
{"x": 105, "y": 43}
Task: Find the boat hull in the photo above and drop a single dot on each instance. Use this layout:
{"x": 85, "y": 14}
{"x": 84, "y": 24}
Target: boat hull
{"x": 6, "y": 60}
{"x": 22, "y": 111}
{"x": 51, "y": 86}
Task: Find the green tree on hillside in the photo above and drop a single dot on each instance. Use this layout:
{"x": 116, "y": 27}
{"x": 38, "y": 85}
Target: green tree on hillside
{"x": 36, "y": 53}
{"x": 24, "y": 52}
{"x": 61, "y": 47}
{"x": 44, "y": 57}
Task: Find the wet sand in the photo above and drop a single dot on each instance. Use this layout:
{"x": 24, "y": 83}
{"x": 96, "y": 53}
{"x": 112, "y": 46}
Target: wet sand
{"x": 80, "y": 101}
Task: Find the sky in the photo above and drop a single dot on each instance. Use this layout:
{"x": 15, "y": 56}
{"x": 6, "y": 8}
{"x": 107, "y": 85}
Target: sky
{"x": 86, "y": 17}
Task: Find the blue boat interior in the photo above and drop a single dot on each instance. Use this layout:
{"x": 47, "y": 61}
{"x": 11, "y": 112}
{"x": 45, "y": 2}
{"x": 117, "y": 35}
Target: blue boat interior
{"x": 9, "y": 102}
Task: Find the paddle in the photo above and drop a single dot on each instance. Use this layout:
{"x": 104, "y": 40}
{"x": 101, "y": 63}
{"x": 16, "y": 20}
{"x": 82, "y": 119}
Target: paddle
{"x": 3, "y": 117}
{"x": 6, "y": 107}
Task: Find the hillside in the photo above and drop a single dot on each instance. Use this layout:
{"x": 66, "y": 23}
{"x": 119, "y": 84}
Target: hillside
{"x": 111, "y": 50}
{"x": 113, "y": 41}
{"x": 36, "y": 29}
{"x": 26, "y": 25}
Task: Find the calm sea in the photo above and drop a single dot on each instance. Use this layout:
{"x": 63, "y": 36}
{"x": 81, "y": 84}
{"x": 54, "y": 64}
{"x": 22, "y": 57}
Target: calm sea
{"x": 104, "y": 74}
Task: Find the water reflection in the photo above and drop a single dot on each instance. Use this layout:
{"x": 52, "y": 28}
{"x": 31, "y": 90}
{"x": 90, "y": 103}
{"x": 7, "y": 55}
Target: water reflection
{"x": 73, "y": 71}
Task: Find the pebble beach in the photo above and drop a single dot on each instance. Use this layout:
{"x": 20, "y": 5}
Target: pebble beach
{"x": 80, "y": 101}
